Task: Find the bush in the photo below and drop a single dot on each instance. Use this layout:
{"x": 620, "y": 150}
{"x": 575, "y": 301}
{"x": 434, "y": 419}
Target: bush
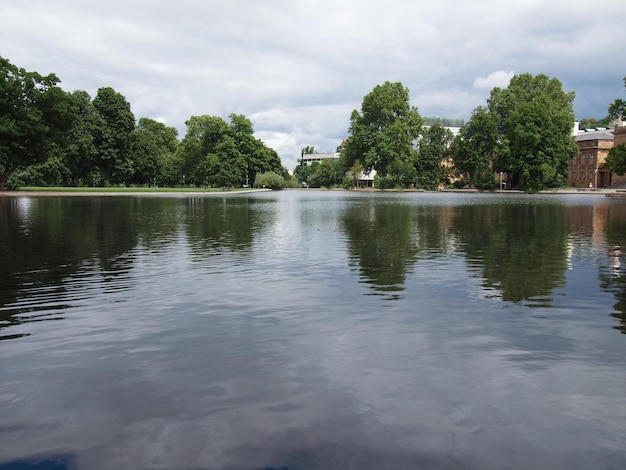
{"x": 270, "y": 180}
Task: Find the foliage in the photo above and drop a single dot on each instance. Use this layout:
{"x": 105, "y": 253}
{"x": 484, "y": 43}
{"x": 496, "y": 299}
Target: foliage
{"x": 435, "y": 150}
{"x": 219, "y": 153}
{"x": 535, "y": 120}
{"x": 617, "y": 109}
{"x": 384, "y": 130}
{"x": 593, "y": 123}
{"x": 328, "y": 173}
{"x": 475, "y": 147}
{"x": 152, "y": 145}
{"x": 113, "y": 139}
{"x": 616, "y": 160}
{"x": 525, "y": 131}
{"x": 270, "y": 180}
{"x": 81, "y": 153}
{"x": 34, "y": 115}
{"x": 354, "y": 173}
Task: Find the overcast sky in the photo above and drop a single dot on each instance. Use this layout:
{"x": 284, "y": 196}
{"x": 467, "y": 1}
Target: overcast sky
{"x": 297, "y": 68}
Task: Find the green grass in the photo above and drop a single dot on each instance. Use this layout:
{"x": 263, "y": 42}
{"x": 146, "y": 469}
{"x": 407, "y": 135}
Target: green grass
{"x": 115, "y": 189}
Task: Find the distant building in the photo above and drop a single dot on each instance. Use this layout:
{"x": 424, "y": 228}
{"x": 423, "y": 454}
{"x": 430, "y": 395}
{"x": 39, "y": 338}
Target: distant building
{"x": 310, "y": 158}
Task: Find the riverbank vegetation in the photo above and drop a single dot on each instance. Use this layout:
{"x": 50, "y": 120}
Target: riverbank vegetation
{"x": 50, "y": 138}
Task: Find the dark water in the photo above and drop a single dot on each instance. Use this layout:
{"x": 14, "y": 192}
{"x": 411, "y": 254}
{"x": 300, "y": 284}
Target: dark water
{"x": 313, "y": 330}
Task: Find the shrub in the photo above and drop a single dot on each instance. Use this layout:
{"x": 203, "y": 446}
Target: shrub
{"x": 270, "y": 180}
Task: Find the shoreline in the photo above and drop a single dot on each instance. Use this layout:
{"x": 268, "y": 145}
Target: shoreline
{"x": 611, "y": 192}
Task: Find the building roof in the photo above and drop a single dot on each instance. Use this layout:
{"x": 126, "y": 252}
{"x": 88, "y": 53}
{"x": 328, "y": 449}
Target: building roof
{"x": 594, "y": 134}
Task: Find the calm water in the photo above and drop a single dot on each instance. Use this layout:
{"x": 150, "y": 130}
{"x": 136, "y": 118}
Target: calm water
{"x": 313, "y": 330}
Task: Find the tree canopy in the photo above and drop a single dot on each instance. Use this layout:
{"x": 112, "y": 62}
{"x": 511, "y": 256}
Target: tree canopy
{"x": 525, "y": 131}
{"x": 35, "y": 114}
{"x": 384, "y": 131}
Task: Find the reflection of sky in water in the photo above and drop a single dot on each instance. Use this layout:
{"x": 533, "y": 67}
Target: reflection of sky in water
{"x": 281, "y": 359}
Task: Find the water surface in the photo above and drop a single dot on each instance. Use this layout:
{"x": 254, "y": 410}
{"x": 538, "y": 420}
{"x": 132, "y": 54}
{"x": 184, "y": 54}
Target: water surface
{"x": 313, "y": 330}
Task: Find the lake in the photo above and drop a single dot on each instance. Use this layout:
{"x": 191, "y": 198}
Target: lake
{"x": 313, "y": 330}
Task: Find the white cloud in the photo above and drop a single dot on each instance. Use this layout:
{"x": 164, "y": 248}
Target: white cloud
{"x": 500, "y": 79}
{"x": 297, "y": 69}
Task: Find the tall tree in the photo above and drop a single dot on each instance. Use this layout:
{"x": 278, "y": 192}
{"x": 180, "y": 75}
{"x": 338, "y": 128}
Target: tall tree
{"x": 203, "y": 135}
{"x": 617, "y": 109}
{"x": 535, "y": 118}
{"x": 433, "y": 154}
{"x": 152, "y": 144}
{"x": 113, "y": 140}
{"x": 81, "y": 154}
{"x": 475, "y": 149}
{"x": 34, "y": 115}
{"x": 385, "y": 129}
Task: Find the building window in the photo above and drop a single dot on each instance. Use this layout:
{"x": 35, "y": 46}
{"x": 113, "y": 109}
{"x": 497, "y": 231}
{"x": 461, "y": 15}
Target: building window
{"x": 573, "y": 175}
{"x": 582, "y": 159}
{"x": 591, "y": 157}
{"x": 582, "y": 175}
{"x": 574, "y": 160}
{"x": 591, "y": 175}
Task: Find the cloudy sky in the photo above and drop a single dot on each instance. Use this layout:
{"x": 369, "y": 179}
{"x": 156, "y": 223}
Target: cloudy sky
{"x": 297, "y": 68}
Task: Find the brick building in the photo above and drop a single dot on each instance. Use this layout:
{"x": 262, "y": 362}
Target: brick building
{"x": 587, "y": 169}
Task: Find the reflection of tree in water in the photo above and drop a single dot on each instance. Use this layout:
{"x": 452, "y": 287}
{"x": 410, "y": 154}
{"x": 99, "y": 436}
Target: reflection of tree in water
{"x": 214, "y": 225}
{"x": 46, "y": 241}
{"x": 521, "y": 248}
{"x": 613, "y": 275}
{"x": 381, "y": 243}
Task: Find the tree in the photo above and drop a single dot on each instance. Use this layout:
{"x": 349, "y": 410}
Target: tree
{"x": 617, "y": 109}
{"x": 329, "y": 172}
{"x": 616, "y": 159}
{"x": 203, "y": 135}
{"x": 535, "y": 121}
{"x": 257, "y": 156}
{"x": 113, "y": 139}
{"x": 80, "y": 156}
{"x": 34, "y": 115}
{"x": 385, "y": 129}
{"x": 433, "y": 153}
{"x": 225, "y": 166}
{"x": 151, "y": 145}
{"x": 475, "y": 149}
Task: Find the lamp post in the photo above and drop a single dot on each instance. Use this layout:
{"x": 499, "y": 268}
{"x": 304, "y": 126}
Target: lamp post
{"x": 595, "y": 183}
{"x": 500, "y": 181}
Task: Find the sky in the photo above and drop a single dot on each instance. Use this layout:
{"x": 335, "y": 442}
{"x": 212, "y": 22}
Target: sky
{"x": 297, "y": 68}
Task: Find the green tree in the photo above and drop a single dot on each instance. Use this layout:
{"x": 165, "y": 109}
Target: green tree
{"x": 355, "y": 173}
{"x": 617, "y": 109}
{"x": 593, "y": 123}
{"x": 328, "y": 173}
{"x": 616, "y": 159}
{"x": 151, "y": 145}
{"x": 113, "y": 139}
{"x": 203, "y": 135}
{"x": 80, "y": 156}
{"x": 385, "y": 129}
{"x": 475, "y": 149}
{"x": 35, "y": 114}
{"x": 226, "y": 166}
{"x": 434, "y": 151}
{"x": 535, "y": 118}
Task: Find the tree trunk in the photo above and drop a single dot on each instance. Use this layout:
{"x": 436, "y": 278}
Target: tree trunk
{"x": 3, "y": 179}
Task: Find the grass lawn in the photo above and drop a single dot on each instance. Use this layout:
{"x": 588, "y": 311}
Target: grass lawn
{"x": 116, "y": 189}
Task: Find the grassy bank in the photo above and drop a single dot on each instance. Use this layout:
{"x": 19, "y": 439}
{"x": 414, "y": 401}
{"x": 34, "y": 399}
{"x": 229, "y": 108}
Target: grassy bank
{"x": 116, "y": 189}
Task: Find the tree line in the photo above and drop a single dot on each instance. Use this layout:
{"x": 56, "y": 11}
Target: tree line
{"x": 51, "y": 137}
